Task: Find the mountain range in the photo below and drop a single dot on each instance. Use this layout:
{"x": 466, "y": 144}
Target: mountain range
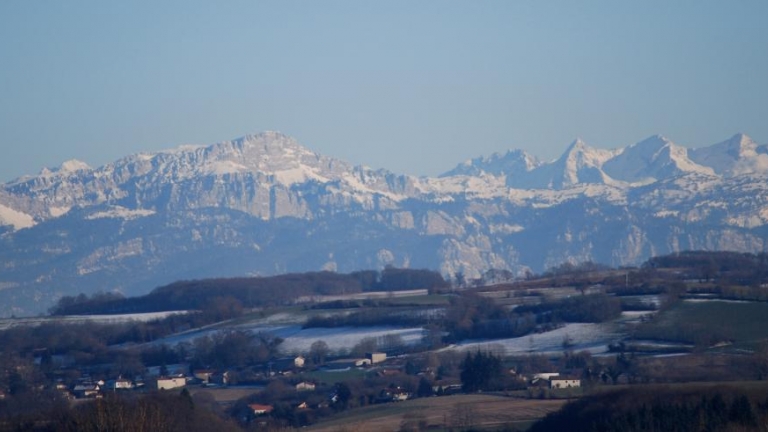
{"x": 263, "y": 204}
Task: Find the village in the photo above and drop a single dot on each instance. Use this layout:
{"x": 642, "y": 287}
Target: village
{"x": 302, "y": 391}
{"x": 542, "y": 341}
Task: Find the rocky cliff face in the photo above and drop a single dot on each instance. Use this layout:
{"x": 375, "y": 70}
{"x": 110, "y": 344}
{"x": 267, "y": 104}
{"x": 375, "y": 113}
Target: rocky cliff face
{"x": 263, "y": 204}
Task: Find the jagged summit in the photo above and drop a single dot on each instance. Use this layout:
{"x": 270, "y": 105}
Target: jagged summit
{"x": 269, "y": 142}
{"x": 264, "y": 204}
{"x": 264, "y": 154}
{"x": 576, "y": 145}
{"x": 252, "y": 173}
{"x": 579, "y": 164}
{"x": 652, "y": 159}
{"x": 513, "y": 163}
{"x": 580, "y": 152}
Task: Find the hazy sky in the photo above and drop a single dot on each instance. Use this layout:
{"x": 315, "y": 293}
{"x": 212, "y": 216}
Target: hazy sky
{"x": 412, "y": 86}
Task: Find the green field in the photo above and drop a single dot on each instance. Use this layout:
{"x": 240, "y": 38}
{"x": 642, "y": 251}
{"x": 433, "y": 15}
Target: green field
{"x": 708, "y": 323}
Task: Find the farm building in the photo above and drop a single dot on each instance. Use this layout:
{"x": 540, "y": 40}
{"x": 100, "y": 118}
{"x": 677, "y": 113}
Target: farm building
{"x": 561, "y": 382}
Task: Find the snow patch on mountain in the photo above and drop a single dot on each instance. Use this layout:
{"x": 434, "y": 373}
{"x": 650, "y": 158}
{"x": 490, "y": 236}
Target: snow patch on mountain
{"x": 485, "y": 186}
{"x": 58, "y": 211}
{"x": 16, "y": 219}
{"x": 505, "y": 229}
{"x": 223, "y": 167}
{"x": 300, "y": 174}
{"x": 118, "y": 212}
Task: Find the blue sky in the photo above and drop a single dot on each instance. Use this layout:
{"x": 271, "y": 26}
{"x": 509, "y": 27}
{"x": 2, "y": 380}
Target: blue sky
{"x": 415, "y": 87}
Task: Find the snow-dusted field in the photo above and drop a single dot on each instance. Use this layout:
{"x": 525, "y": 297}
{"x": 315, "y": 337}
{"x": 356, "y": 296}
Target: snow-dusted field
{"x": 342, "y": 339}
{"x": 371, "y": 295}
{"x": 143, "y": 317}
{"x": 298, "y": 341}
{"x": 74, "y": 319}
{"x": 634, "y": 317}
{"x": 710, "y": 300}
{"x": 653, "y": 344}
{"x": 594, "y": 338}
{"x": 648, "y": 299}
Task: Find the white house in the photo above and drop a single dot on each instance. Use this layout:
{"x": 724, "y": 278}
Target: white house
{"x": 400, "y": 396}
{"x": 259, "y": 409}
{"x": 120, "y": 384}
{"x": 376, "y": 357}
{"x": 305, "y": 386}
{"x": 204, "y": 375}
{"x": 298, "y": 362}
{"x": 546, "y": 375}
{"x": 86, "y": 390}
{"x": 167, "y": 383}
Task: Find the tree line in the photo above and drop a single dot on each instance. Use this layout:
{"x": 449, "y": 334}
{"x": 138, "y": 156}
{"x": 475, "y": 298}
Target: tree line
{"x": 251, "y": 292}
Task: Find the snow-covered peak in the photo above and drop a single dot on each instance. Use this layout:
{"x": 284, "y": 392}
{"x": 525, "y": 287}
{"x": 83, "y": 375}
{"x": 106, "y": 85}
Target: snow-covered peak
{"x": 735, "y": 156}
{"x": 577, "y": 144}
{"x": 652, "y": 159}
{"x": 73, "y": 165}
{"x": 267, "y": 154}
{"x": 68, "y": 167}
{"x": 581, "y": 153}
{"x": 742, "y": 142}
{"x": 579, "y": 164}
{"x": 240, "y": 173}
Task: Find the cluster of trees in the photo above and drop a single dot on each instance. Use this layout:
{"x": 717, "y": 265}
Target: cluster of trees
{"x": 662, "y": 409}
{"x": 233, "y": 349}
{"x": 395, "y": 279}
{"x": 90, "y": 340}
{"x": 733, "y": 267}
{"x": 469, "y": 316}
{"x": 86, "y": 343}
{"x": 472, "y": 316}
{"x": 482, "y": 372}
{"x": 594, "y": 308}
{"x": 252, "y": 292}
{"x": 81, "y": 300}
